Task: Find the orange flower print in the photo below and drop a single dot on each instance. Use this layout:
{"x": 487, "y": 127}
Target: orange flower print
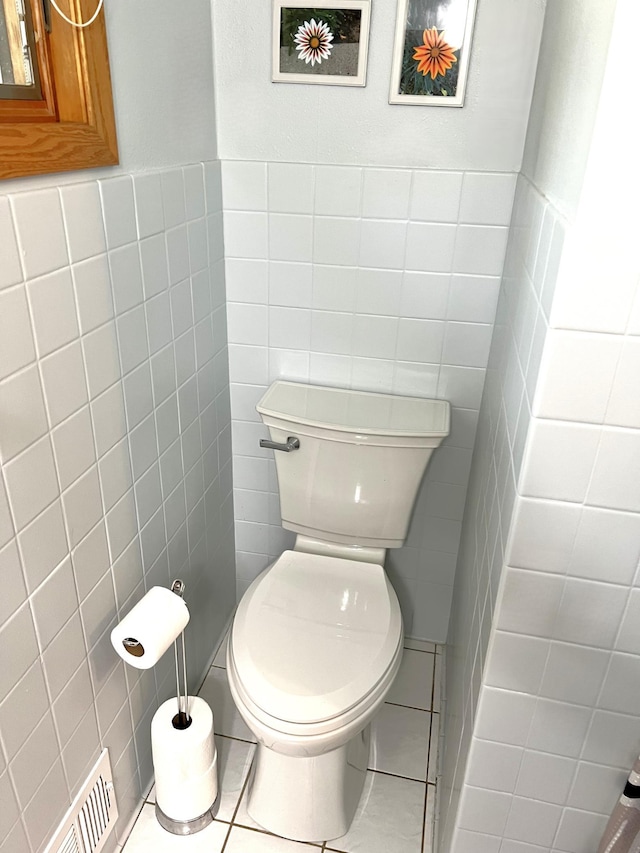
{"x": 435, "y": 56}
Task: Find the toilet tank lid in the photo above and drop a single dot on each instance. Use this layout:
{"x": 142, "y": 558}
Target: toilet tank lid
{"x": 363, "y": 412}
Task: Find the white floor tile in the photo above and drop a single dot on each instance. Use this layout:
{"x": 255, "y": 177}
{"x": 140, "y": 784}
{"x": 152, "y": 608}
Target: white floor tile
{"x": 234, "y": 762}
{"x": 221, "y": 655}
{"x": 434, "y": 745}
{"x": 414, "y": 682}
{"x": 400, "y": 741}
{"x": 388, "y": 820}
{"x": 419, "y": 645}
{"x": 149, "y": 837}
{"x": 428, "y": 842}
{"x": 226, "y": 719}
{"x": 249, "y": 841}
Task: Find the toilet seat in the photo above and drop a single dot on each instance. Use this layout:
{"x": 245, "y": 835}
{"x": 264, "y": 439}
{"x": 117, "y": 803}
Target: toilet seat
{"x": 314, "y": 641}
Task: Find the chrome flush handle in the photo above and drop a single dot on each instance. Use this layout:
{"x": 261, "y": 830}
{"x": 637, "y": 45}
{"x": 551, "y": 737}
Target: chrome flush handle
{"x": 292, "y": 443}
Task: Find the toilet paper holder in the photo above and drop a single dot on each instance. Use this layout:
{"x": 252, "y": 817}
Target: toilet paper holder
{"x": 182, "y": 719}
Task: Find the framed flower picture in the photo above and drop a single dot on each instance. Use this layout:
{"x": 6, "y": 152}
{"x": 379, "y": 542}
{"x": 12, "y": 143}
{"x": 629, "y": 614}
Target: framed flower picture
{"x": 431, "y": 52}
{"x": 321, "y": 44}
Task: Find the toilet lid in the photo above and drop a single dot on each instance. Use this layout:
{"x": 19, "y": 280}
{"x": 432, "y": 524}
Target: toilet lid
{"x": 314, "y": 635}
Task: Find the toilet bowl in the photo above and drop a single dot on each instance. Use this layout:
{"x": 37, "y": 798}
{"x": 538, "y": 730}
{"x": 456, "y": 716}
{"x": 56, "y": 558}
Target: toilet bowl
{"x": 316, "y": 641}
{"x": 314, "y": 648}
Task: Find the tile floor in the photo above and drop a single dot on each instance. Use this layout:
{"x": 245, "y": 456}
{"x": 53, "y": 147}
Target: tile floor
{"x": 397, "y": 813}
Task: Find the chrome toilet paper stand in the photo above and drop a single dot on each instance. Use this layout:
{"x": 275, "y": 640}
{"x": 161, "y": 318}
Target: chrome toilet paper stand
{"x": 182, "y": 720}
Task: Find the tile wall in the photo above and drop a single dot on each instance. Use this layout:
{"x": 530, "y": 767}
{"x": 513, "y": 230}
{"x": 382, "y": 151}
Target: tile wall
{"x": 522, "y": 321}
{"x": 377, "y": 279}
{"x": 115, "y": 449}
{"x": 557, "y": 724}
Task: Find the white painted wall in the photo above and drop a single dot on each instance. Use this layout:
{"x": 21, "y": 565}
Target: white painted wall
{"x": 161, "y": 70}
{"x": 260, "y": 120}
{"x": 572, "y": 60}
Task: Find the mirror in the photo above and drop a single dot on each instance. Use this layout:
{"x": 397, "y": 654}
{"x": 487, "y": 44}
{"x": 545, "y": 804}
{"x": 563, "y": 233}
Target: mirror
{"x": 18, "y": 64}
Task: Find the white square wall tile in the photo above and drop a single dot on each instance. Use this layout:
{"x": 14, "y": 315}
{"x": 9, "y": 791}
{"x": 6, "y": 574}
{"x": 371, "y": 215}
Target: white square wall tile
{"x": 435, "y": 196}
{"x": 291, "y": 187}
{"x": 119, "y": 211}
{"x": 37, "y": 213}
{"x": 624, "y": 407}
{"x": 338, "y": 191}
{"x": 290, "y": 237}
{"x": 31, "y": 482}
{"x": 590, "y": 613}
{"x": 126, "y": 277}
{"x": 43, "y": 545}
{"x": 244, "y": 185}
{"x": 386, "y": 193}
{"x": 515, "y": 662}
{"x": 543, "y": 535}
{"x": 562, "y": 391}
{"x": 290, "y": 284}
{"x": 73, "y": 447}
{"x": 16, "y": 340}
{"x": 574, "y": 673}
{"x": 83, "y": 221}
{"x": 430, "y": 247}
{"x": 173, "y": 197}
{"x": 247, "y": 280}
{"x": 611, "y": 486}
{"x": 194, "y": 193}
{"x": 10, "y": 269}
{"x": 382, "y": 243}
{"x": 64, "y": 382}
{"x": 545, "y": 777}
{"x": 493, "y": 765}
{"x": 289, "y": 328}
{"x": 530, "y": 602}
{"x": 628, "y": 639}
{"x": 619, "y": 686}
{"x": 92, "y": 285}
{"x": 424, "y": 295}
{"x": 336, "y": 241}
{"x": 483, "y": 811}
{"x": 247, "y": 324}
{"x": 245, "y": 234}
{"x": 558, "y": 728}
{"x": 420, "y": 340}
{"x": 487, "y": 199}
{"x": 102, "y": 363}
{"x": 559, "y": 460}
{"x": 23, "y": 415}
{"x": 480, "y": 250}
{"x": 473, "y": 299}
{"x": 607, "y": 546}
{"x": 532, "y": 821}
{"x": 149, "y": 209}
{"x": 53, "y": 309}
{"x": 467, "y": 344}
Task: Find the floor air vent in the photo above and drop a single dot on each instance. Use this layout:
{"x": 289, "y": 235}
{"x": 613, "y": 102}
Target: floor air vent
{"x": 88, "y": 823}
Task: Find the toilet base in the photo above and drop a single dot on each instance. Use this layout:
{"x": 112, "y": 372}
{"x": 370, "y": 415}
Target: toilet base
{"x": 309, "y": 798}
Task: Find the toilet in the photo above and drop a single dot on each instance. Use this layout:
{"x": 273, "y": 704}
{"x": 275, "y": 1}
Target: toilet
{"x": 317, "y": 639}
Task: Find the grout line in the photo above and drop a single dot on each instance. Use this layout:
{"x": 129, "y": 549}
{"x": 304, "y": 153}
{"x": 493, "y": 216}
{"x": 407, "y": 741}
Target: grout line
{"x": 411, "y": 707}
{"x": 397, "y": 776}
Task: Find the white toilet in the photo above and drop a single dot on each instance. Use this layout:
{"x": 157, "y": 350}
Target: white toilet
{"x": 317, "y": 639}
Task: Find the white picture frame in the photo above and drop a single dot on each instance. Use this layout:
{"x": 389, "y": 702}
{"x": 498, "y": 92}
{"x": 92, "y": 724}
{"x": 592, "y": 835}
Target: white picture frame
{"x": 431, "y": 52}
{"x": 296, "y": 58}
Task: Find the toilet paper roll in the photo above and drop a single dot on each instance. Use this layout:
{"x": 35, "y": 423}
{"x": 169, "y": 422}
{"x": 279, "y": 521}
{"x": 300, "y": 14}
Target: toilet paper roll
{"x": 147, "y": 631}
{"x": 184, "y": 761}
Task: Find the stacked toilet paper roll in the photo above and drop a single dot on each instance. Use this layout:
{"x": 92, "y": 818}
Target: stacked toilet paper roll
{"x": 184, "y": 761}
{"x": 147, "y": 631}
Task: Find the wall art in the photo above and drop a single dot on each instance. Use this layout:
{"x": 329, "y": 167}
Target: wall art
{"x": 321, "y": 44}
{"x": 431, "y": 52}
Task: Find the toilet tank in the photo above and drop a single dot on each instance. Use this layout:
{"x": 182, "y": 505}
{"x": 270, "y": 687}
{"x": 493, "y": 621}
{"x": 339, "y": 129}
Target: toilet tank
{"x": 354, "y": 478}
